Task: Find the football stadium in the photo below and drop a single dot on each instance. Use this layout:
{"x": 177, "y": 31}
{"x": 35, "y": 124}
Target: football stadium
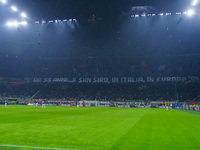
{"x": 99, "y": 74}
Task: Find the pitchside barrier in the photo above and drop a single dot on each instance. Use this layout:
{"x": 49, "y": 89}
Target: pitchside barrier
{"x": 95, "y": 103}
{"x": 189, "y": 108}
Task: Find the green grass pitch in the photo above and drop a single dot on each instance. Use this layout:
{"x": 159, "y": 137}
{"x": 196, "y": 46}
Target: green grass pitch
{"x": 92, "y": 128}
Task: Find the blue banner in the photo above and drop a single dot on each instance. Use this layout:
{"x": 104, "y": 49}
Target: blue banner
{"x": 111, "y": 80}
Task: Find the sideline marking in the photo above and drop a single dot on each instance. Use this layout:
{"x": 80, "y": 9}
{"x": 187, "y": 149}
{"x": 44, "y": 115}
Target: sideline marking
{"x": 20, "y": 146}
{"x": 185, "y": 111}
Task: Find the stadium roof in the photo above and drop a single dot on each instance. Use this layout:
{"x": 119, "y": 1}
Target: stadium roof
{"x": 97, "y": 19}
{"x": 109, "y": 10}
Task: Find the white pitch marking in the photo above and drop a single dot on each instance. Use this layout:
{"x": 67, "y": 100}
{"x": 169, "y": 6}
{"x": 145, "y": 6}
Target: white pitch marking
{"x": 186, "y": 112}
{"x": 20, "y": 146}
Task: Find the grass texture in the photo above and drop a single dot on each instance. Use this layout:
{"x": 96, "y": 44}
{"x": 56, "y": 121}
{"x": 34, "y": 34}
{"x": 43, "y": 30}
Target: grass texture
{"x": 95, "y": 128}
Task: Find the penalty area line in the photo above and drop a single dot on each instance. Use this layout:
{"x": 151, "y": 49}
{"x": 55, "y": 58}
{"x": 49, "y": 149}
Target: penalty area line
{"x": 33, "y": 147}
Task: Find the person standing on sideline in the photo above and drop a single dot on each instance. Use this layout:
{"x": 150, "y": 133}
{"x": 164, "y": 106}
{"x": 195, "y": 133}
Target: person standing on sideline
{"x": 6, "y": 102}
{"x": 35, "y": 103}
{"x": 131, "y": 105}
{"x": 43, "y": 103}
{"x": 170, "y": 106}
{"x": 78, "y": 104}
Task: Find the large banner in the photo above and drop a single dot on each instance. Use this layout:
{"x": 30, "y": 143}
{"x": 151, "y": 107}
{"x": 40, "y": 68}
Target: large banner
{"x": 111, "y": 80}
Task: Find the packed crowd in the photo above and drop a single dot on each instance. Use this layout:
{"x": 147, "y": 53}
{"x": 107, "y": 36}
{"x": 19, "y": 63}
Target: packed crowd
{"x": 157, "y": 66}
{"x": 102, "y": 67}
{"x": 166, "y": 91}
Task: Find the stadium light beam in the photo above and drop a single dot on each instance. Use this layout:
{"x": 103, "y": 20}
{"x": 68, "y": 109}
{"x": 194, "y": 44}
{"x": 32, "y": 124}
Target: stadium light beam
{"x": 3, "y": 1}
{"x": 23, "y": 15}
{"x": 195, "y": 2}
{"x": 13, "y": 8}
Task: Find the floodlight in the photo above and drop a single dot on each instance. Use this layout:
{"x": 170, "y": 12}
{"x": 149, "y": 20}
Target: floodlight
{"x": 153, "y": 14}
{"x": 190, "y": 12}
{"x": 195, "y": 2}
{"x": 65, "y": 20}
{"x": 23, "y": 15}
{"x": 3, "y": 1}
{"x": 37, "y": 22}
{"x": 12, "y": 23}
{"x": 168, "y": 14}
{"x": 148, "y": 14}
{"x": 143, "y": 15}
{"x": 136, "y": 15}
{"x": 9, "y": 24}
{"x": 161, "y": 14}
{"x": 13, "y": 8}
{"x": 51, "y": 21}
{"x": 178, "y": 13}
{"x": 23, "y": 23}
{"x": 15, "y": 23}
